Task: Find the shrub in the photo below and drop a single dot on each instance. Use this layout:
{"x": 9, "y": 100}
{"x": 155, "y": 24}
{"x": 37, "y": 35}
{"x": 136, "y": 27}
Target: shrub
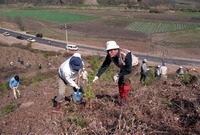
{"x": 188, "y": 79}
{"x": 155, "y": 11}
{"x": 95, "y": 63}
{"x": 7, "y": 109}
{"x": 89, "y": 92}
{"x": 150, "y": 76}
{"x": 79, "y": 121}
{"x": 29, "y": 45}
{"x": 46, "y": 55}
{"x": 4, "y": 88}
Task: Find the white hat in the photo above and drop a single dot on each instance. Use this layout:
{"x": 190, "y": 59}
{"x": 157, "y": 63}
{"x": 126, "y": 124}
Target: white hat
{"x": 145, "y": 60}
{"x": 77, "y": 55}
{"x": 158, "y": 66}
{"x": 111, "y": 45}
{"x": 180, "y": 67}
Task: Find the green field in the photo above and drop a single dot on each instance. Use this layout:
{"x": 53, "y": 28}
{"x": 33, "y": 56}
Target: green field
{"x": 190, "y": 14}
{"x": 160, "y": 27}
{"x": 49, "y": 15}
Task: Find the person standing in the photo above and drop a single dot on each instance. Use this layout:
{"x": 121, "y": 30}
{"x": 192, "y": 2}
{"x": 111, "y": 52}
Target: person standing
{"x": 143, "y": 72}
{"x": 14, "y": 84}
{"x": 157, "y": 71}
{"x": 123, "y": 59}
{"x": 180, "y": 71}
{"x": 68, "y": 73}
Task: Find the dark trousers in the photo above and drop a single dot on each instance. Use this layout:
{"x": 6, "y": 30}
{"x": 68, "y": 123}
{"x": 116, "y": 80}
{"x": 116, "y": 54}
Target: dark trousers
{"x": 143, "y": 77}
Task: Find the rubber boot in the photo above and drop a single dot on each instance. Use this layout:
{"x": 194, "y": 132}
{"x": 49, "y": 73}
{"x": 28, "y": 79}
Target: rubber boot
{"x": 126, "y": 89}
{"x": 123, "y": 93}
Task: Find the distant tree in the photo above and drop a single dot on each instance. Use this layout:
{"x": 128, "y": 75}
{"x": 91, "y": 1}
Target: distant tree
{"x": 61, "y": 2}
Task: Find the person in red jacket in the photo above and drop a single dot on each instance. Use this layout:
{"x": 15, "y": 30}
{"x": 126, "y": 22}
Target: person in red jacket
{"x": 126, "y": 61}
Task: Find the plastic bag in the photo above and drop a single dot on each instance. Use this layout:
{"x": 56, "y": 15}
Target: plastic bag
{"x": 77, "y": 96}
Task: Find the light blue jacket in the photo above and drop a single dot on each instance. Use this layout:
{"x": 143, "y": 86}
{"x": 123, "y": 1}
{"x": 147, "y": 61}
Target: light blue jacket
{"x": 13, "y": 82}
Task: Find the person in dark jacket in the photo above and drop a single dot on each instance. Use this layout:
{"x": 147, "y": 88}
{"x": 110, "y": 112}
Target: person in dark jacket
{"x": 180, "y": 71}
{"x": 126, "y": 61}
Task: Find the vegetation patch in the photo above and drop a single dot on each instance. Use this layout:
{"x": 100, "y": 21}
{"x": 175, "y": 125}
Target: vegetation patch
{"x": 7, "y": 109}
{"x": 160, "y": 27}
{"x": 49, "y": 15}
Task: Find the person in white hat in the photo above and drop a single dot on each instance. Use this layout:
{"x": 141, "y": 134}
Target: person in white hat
{"x": 180, "y": 71}
{"x": 126, "y": 61}
{"x": 157, "y": 71}
{"x": 68, "y": 72}
{"x": 144, "y": 70}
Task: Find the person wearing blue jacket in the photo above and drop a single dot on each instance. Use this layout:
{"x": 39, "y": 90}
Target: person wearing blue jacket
{"x": 13, "y": 84}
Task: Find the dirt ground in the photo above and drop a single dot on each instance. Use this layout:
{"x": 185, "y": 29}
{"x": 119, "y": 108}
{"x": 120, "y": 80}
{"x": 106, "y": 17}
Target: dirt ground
{"x": 166, "y": 107}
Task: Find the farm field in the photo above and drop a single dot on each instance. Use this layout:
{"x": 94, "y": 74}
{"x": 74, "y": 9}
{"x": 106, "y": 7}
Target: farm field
{"x": 161, "y": 27}
{"x": 49, "y": 15}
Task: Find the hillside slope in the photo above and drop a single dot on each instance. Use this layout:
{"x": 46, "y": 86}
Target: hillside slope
{"x": 165, "y": 107}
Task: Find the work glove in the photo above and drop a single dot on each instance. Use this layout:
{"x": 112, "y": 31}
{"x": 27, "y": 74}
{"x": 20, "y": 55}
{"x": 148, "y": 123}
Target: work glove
{"x": 80, "y": 90}
{"x": 116, "y": 78}
{"x": 95, "y": 78}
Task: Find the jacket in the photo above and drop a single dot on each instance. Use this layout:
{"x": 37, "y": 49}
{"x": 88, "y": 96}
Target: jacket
{"x": 67, "y": 74}
{"x": 144, "y": 69}
{"x": 13, "y": 82}
{"x": 163, "y": 70}
{"x": 125, "y": 60}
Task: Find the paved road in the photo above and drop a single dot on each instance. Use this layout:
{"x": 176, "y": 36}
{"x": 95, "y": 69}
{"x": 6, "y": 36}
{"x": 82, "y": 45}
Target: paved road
{"x": 101, "y": 51}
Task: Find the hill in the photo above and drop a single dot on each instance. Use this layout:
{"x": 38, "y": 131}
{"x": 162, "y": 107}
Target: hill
{"x": 169, "y": 107}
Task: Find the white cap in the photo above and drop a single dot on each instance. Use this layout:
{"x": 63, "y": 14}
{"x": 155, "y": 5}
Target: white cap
{"x": 111, "y": 45}
{"x": 158, "y": 66}
{"x": 145, "y": 60}
{"x": 77, "y": 55}
{"x": 180, "y": 67}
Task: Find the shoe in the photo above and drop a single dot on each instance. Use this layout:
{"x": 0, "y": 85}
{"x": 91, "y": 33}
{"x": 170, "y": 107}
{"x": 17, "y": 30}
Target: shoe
{"x": 67, "y": 99}
{"x": 121, "y": 102}
{"x": 54, "y": 102}
{"x": 56, "y": 105}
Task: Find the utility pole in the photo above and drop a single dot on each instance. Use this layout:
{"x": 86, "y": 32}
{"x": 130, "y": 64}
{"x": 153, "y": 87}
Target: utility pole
{"x": 66, "y": 36}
